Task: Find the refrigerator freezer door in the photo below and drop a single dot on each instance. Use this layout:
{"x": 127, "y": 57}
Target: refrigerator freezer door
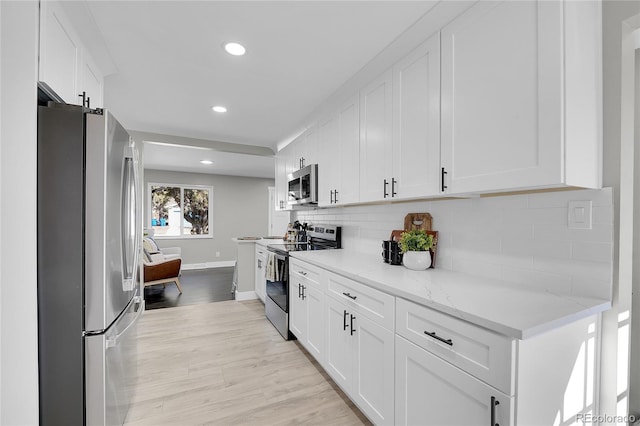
{"x": 60, "y": 264}
{"x": 110, "y": 368}
{"x": 112, "y": 212}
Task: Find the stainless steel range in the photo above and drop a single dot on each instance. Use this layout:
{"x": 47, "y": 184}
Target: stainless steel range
{"x": 314, "y": 237}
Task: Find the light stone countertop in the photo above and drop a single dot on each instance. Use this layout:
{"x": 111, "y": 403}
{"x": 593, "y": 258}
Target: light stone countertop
{"x": 500, "y": 306}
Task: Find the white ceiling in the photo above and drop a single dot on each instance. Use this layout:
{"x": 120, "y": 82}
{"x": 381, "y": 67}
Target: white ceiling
{"x": 167, "y": 67}
{"x": 180, "y": 158}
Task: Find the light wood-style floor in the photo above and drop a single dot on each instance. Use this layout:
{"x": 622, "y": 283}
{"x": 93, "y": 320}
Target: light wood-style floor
{"x": 224, "y": 364}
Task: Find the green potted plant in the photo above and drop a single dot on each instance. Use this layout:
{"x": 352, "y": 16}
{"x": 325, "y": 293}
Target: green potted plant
{"x": 415, "y": 246}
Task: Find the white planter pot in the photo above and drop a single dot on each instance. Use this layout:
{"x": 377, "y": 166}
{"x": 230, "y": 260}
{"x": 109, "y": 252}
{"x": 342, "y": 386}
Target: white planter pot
{"x": 417, "y": 260}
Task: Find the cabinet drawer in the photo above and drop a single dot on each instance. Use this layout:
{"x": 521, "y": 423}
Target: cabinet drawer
{"x": 482, "y": 353}
{"x": 374, "y": 304}
{"x": 304, "y": 272}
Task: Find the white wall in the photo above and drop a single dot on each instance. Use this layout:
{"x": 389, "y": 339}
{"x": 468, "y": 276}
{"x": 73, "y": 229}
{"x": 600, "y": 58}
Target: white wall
{"x": 240, "y": 208}
{"x": 18, "y": 139}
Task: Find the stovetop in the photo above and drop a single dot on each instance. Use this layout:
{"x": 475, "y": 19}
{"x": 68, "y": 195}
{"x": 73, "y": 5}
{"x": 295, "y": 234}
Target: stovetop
{"x": 319, "y": 237}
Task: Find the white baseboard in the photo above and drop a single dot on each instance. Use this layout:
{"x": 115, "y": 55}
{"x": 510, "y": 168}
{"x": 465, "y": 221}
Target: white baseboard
{"x": 246, "y": 295}
{"x": 207, "y": 265}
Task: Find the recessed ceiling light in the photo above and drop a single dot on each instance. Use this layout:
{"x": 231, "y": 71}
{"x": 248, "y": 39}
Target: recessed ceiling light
{"x": 206, "y": 161}
{"x": 219, "y": 108}
{"x": 235, "y": 49}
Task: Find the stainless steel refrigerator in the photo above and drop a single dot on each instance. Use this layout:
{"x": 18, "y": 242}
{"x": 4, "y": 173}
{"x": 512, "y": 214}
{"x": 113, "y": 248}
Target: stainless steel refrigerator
{"x": 89, "y": 240}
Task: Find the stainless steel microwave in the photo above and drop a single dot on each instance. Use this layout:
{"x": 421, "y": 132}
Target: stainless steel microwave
{"x": 303, "y": 186}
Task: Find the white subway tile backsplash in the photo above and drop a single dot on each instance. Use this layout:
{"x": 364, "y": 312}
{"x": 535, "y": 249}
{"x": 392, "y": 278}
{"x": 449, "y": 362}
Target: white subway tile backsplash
{"x": 551, "y": 215}
{"x": 523, "y": 247}
{"x": 523, "y": 239}
{"x": 592, "y": 252}
{"x": 599, "y": 233}
{"x": 602, "y": 215}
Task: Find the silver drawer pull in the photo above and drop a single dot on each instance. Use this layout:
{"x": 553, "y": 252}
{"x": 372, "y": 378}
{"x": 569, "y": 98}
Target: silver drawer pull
{"x": 443, "y": 340}
{"x": 349, "y": 296}
{"x": 302, "y": 273}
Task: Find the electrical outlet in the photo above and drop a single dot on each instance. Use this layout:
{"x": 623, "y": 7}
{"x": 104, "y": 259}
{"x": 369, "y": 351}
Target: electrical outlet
{"x": 217, "y": 254}
{"x": 580, "y": 214}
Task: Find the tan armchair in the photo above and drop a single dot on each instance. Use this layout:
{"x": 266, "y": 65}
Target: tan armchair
{"x": 159, "y": 270}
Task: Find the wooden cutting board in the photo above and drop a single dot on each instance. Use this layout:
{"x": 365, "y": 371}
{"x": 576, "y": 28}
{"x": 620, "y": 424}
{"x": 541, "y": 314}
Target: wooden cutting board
{"x": 418, "y": 221}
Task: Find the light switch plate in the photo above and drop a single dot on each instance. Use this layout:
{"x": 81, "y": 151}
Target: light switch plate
{"x": 580, "y": 214}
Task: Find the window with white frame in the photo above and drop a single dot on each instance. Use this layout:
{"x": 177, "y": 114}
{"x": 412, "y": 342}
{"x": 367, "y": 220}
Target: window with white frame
{"x": 180, "y": 211}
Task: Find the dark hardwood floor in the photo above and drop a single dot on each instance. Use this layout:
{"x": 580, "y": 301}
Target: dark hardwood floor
{"x": 198, "y": 286}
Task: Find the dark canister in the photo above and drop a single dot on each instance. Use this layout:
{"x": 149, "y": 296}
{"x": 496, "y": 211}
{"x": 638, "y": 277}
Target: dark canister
{"x": 391, "y": 253}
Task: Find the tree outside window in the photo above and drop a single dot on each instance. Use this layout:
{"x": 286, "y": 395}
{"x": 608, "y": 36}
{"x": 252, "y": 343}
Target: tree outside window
{"x": 180, "y": 211}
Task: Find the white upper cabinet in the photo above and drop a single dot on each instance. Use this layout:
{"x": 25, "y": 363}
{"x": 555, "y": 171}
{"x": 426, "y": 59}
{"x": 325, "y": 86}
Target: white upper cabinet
{"x": 60, "y": 52}
{"x": 283, "y": 168}
{"x": 65, "y": 65}
{"x": 506, "y": 97}
{"x": 375, "y": 140}
{"x": 339, "y": 148}
{"x": 328, "y": 161}
{"x": 308, "y": 151}
{"x": 416, "y": 122}
{"x": 505, "y": 102}
{"x": 349, "y": 139}
{"x": 400, "y": 128}
{"x": 91, "y": 82}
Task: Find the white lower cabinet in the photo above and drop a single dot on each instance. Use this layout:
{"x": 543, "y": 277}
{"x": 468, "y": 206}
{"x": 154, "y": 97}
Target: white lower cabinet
{"x": 430, "y": 391}
{"x": 260, "y": 274}
{"x": 359, "y": 358}
{"x": 407, "y": 364}
{"x": 306, "y": 307}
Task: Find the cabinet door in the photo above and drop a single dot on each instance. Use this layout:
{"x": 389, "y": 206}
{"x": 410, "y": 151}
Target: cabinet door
{"x": 260, "y": 272}
{"x": 502, "y": 96}
{"x": 373, "y": 386}
{"x": 297, "y": 310}
{"x": 339, "y": 355}
{"x": 416, "y": 121}
{"x": 430, "y": 391}
{"x": 281, "y": 181}
{"x": 60, "y": 52}
{"x": 308, "y": 151}
{"x": 316, "y": 323}
{"x": 375, "y": 139}
{"x": 349, "y": 159}
{"x": 91, "y": 82}
{"x": 329, "y": 162}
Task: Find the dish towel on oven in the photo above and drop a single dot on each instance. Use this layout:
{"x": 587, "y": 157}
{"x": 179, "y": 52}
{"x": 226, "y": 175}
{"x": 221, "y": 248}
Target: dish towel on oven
{"x": 272, "y": 268}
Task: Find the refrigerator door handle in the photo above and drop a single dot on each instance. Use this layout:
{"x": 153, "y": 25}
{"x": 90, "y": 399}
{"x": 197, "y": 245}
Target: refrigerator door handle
{"x": 130, "y": 220}
{"x": 110, "y": 343}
